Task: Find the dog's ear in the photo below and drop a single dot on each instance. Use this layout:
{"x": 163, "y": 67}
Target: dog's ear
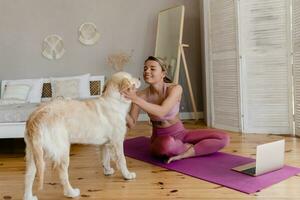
{"x": 105, "y": 86}
{"x": 124, "y": 84}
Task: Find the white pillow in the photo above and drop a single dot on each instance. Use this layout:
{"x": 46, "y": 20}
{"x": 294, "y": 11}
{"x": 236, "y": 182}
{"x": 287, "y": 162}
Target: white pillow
{"x": 66, "y": 88}
{"x": 19, "y": 92}
{"x": 84, "y": 84}
{"x": 35, "y": 93}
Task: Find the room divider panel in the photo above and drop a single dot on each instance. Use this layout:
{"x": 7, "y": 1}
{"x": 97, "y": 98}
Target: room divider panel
{"x": 223, "y": 61}
{"x": 266, "y": 72}
{"x": 249, "y": 60}
{"x": 296, "y": 63}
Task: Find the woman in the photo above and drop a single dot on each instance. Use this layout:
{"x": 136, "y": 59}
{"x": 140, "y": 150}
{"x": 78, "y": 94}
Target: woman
{"x": 161, "y": 100}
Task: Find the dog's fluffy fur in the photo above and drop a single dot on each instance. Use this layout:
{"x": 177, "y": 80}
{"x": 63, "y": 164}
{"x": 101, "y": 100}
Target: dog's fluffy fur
{"x": 52, "y": 127}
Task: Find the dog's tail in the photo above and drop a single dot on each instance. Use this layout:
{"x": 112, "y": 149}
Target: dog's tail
{"x": 35, "y": 144}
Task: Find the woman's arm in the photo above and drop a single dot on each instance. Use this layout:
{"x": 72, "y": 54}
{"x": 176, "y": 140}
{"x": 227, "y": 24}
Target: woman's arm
{"x": 132, "y": 116}
{"x": 158, "y": 110}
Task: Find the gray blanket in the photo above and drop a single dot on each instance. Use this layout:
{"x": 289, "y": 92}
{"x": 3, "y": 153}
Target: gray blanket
{"x": 16, "y": 112}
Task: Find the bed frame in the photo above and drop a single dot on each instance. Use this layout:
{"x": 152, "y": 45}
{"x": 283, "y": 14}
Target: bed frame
{"x": 16, "y": 130}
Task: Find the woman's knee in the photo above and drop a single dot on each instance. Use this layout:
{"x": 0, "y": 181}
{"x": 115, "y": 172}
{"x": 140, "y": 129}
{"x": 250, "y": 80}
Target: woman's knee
{"x": 224, "y": 137}
{"x": 162, "y": 145}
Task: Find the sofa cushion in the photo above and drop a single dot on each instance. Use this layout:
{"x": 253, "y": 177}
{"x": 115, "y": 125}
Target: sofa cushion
{"x": 16, "y": 92}
{"x": 84, "y": 84}
{"x": 66, "y": 88}
{"x": 35, "y": 93}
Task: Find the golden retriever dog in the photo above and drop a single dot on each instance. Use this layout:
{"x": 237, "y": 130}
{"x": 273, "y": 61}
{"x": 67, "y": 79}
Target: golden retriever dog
{"x": 54, "y": 126}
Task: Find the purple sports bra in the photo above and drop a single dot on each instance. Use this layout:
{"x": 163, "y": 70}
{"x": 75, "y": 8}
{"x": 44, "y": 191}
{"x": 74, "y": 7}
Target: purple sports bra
{"x": 171, "y": 114}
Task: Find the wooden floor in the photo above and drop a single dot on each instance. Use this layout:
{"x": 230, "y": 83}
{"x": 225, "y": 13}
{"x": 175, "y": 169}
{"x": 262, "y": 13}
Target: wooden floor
{"x": 152, "y": 182}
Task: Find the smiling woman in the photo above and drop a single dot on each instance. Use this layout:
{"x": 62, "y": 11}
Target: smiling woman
{"x": 161, "y": 100}
{"x": 152, "y": 66}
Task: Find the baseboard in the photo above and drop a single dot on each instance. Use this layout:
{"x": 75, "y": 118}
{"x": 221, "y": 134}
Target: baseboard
{"x": 183, "y": 115}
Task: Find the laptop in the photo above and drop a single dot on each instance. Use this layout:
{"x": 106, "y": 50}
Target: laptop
{"x": 269, "y": 157}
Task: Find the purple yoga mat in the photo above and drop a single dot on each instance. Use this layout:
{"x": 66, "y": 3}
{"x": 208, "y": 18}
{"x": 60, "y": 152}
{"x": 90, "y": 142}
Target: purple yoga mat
{"x": 215, "y": 168}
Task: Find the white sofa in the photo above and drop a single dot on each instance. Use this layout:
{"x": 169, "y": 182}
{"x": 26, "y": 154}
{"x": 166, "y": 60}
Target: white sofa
{"x": 15, "y": 129}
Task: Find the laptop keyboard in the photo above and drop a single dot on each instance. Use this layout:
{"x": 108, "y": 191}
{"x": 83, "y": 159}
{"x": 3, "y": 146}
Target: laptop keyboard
{"x": 250, "y": 171}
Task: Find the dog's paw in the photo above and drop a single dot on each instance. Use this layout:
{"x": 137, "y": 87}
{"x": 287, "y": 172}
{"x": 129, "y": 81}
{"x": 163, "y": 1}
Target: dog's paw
{"x": 31, "y": 198}
{"x": 130, "y": 176}
{"x": 108, "y": 172}
{"x": 72, "y": 193}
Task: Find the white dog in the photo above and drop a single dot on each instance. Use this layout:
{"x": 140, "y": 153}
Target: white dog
{"x": 52, "y": 127}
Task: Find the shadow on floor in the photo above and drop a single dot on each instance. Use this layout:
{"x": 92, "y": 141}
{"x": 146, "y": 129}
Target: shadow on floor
{"x": 12, "y": 146}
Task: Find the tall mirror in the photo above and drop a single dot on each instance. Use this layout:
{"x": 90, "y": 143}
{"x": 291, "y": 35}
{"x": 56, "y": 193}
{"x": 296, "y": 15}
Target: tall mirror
{"x": 169, "y": 39}
{"x": 169, "y": 45}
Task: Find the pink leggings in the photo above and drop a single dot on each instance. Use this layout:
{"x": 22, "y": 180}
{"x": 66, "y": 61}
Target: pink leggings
{"x": 173, "y": 140}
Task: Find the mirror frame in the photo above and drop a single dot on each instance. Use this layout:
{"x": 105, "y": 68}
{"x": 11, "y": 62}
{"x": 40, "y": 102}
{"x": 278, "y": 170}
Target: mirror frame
{"x": 175, "y": 76}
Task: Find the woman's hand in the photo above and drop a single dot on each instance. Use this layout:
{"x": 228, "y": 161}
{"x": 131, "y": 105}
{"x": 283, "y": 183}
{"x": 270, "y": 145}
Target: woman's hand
{"x": 159, "y": 110}
{"x": 130, "y": 123}
{"x": 130, "y": 94}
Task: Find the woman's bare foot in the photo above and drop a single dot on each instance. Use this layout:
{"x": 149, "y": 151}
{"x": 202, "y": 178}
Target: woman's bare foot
{"x": 190, "y": 152}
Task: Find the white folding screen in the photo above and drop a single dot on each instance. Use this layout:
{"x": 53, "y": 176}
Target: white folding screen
{"x": 223, "y": 70}
{"x": 250, "y": 66}
{"x": 266, "y": 73}
{"x": 296, "y": 63}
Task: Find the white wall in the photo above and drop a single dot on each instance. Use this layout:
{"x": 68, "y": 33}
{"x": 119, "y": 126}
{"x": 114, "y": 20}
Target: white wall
{"x": 123, "y": 24}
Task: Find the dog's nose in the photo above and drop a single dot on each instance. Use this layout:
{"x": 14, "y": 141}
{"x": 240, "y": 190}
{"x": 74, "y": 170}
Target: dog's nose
{"x": 139, "y": 78}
